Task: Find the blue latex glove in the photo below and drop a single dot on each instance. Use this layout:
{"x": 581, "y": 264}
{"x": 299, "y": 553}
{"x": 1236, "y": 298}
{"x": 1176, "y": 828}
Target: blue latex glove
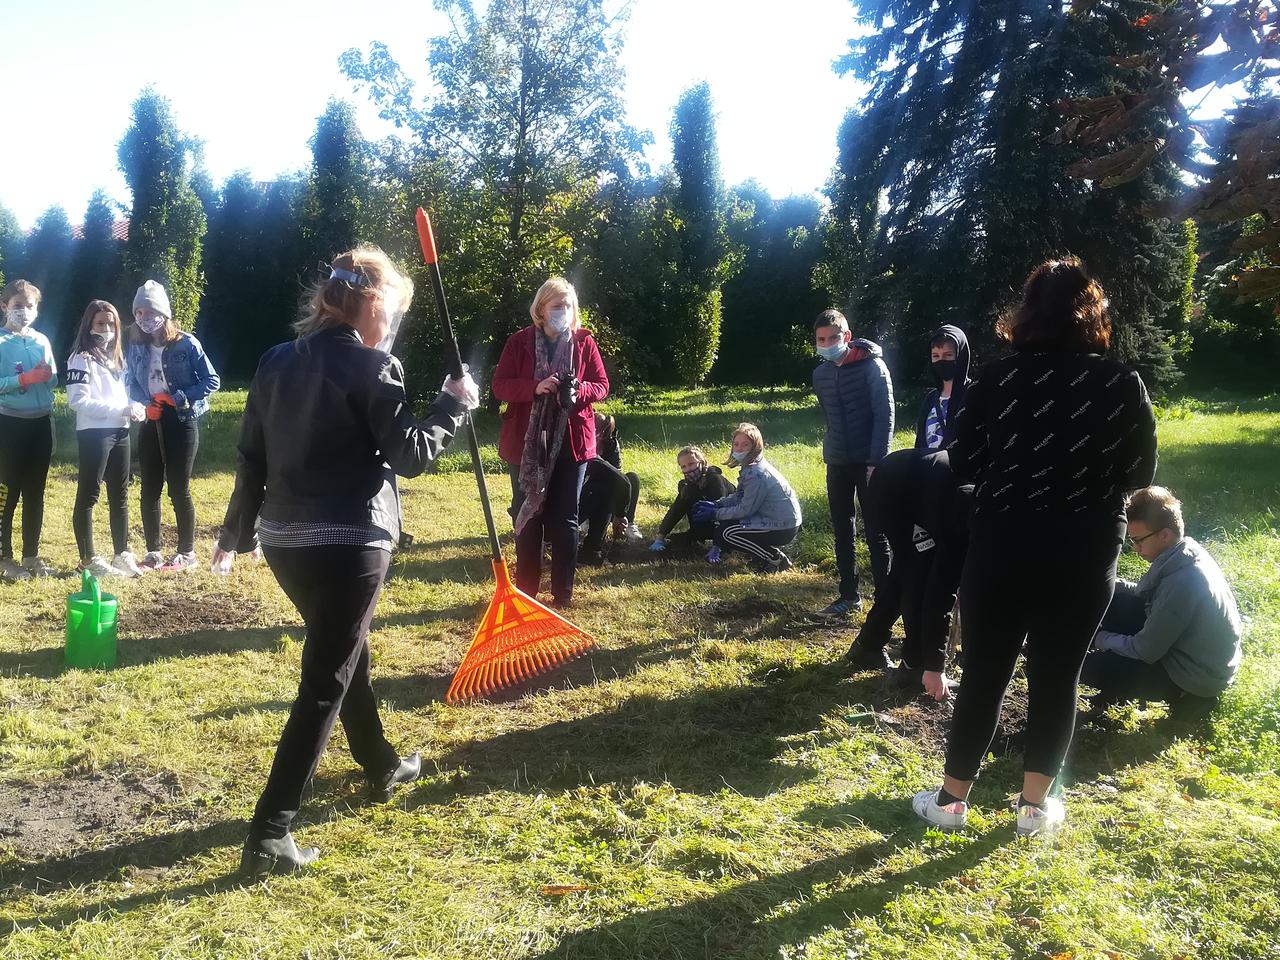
{"x": 703, "y": 511}
{"x": 713, "y": 555}
{"x": 658, "y": 545}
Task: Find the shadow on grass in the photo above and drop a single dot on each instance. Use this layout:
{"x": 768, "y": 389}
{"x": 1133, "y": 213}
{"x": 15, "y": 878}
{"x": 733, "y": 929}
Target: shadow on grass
{"x": 760, "y": 917}
{"x": 47, "y": 662}
{"x": 701, "y": 741}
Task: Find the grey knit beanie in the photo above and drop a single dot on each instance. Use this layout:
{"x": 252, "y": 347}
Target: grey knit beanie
{"x": 151, "y": 294}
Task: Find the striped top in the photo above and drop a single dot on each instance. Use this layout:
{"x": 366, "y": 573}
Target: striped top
{"x": 293, "y": 535}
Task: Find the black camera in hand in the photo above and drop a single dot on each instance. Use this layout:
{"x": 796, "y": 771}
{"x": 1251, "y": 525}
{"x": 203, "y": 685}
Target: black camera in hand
{"x": 569, "y": 393}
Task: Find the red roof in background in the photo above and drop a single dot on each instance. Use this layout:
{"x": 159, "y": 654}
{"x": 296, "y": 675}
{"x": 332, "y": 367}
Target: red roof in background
{"x": 119, "y": 231}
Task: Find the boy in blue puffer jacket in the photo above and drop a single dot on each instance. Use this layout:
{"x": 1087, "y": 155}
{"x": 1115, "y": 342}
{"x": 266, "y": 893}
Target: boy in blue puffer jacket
{"x": 855, "y": 394}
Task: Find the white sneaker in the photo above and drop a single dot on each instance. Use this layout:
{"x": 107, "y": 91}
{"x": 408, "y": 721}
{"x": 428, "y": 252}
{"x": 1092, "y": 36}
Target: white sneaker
{"x": 126, "y": 564}
{"x": 101, "y": 568}
{"x": 1034, "y": 821}
{"x": 37, "y": 567}
{"x": 950, "y": 817}
{"x": 633, "y": 532}
{"x": 13, "y": 571}
{"x": 183, "y": 562}
{"x": 153, "y": 560}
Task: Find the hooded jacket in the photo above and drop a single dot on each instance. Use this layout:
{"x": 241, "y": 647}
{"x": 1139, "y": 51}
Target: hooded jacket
{"x": 1193, "y": 626}
{"x": 856, "y": 398}
{"x": 933, "y": 399}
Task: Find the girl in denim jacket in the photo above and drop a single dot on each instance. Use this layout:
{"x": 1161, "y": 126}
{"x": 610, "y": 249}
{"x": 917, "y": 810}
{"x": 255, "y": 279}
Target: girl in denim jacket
{"x": 167, "y": 370}
{"x": 760, "y": 516}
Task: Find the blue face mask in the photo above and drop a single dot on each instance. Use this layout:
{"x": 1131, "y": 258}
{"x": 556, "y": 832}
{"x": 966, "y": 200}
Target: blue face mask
{"x": 835, "y": 353}
{"x": 738, "y": 455}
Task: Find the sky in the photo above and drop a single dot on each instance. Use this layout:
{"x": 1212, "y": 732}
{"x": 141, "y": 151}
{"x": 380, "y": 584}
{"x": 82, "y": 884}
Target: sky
{"x": 250, "y": 77}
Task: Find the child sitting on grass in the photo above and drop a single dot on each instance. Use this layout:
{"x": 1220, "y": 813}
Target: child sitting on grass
{"x": 702, "y": 481}
{"x": 762, "y": 515}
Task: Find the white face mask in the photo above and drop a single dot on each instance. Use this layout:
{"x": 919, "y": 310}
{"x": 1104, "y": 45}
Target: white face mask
{"x": 151, "y": 324}
{"x": 559, "y": 318}
{"x": 19, "y": 318}
{"x": 102, "y": 340}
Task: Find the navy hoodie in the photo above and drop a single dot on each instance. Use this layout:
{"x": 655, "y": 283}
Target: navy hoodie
{"x": 959, "y": 385}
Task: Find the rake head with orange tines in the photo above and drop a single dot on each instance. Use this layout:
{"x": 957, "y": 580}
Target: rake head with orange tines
{"x": 519, "y": 638}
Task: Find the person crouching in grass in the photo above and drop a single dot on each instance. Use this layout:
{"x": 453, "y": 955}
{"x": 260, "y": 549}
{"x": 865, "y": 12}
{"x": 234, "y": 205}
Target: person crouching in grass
{"x": 762, "y": 515}
{"x": 1173, "y": 636}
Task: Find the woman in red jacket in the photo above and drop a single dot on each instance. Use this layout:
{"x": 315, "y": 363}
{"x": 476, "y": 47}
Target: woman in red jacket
{"x": 549, "y": 375}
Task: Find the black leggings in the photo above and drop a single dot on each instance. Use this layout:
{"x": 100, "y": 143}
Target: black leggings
{"x": 1044, "y": 582}
{"x": 335, "y": 588}
{"x": 168, "y": 454}
{"x": 104, "y": 455}
{"x": 26, "y": 449}
{"x": 762, "y": 545}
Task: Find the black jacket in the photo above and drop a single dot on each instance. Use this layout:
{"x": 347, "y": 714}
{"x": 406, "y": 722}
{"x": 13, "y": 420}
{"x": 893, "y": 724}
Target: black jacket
{"x": 711, "y": 486}
{"x": 959, "y": 385}
{"x": 326, "y": 429}
{"x": 1063, "y": 434}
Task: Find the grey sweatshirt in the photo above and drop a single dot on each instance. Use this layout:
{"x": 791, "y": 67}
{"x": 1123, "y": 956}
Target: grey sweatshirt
{"x": 1193, "y": 626}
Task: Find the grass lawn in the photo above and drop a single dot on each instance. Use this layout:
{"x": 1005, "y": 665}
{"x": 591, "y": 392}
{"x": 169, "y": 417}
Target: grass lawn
{"x": 710, "y": 782}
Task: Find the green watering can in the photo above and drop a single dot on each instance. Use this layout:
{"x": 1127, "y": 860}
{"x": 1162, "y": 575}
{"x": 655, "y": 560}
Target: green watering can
{"x": 91, "y": 627}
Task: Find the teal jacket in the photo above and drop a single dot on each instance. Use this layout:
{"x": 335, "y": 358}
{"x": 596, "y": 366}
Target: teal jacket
{"x": 22, "y": 352}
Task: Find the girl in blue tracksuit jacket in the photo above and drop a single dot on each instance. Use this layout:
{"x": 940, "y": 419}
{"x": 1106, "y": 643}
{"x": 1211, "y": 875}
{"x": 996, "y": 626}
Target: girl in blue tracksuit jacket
{"x": 167, "y": 370}
{"x": 761, "y": 515}
{"x": 28, "y": 375}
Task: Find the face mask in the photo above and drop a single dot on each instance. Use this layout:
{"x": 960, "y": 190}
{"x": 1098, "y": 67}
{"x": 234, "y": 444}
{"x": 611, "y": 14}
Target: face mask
{"x": 102, "y": 340}
{"x": 738, "y": 455}
{"x": 945, "y": 369}
{"x": 694, "y": 475}
{"x": 835, "y": 353}
{"x": 560, "y": 318}
{"x": 19, "y": 318}
{"x": 151, "y": 324}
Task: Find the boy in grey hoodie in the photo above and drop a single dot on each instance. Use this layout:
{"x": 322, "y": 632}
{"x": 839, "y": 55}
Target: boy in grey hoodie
{"x": 1175, "y": 634}
{"x": 855, "y": 395}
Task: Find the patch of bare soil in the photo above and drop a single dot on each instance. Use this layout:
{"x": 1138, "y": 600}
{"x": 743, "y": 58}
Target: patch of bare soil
{"x": 42, "y": 820}
{"x": 925, "y": 722}
{"x": 189, "y": 610}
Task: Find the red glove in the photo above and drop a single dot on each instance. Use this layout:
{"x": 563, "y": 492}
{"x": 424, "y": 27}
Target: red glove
{"x": 153, "y": 411}
{"x": 162, "y": 398}
{"x": 40, "y": 373}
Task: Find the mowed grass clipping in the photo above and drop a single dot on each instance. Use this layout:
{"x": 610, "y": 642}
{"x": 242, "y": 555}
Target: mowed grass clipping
{"x": 710, "y": 782}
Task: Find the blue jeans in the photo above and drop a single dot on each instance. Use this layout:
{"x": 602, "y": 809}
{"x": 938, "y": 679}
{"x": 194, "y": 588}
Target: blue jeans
{"x": 557, "y": 524}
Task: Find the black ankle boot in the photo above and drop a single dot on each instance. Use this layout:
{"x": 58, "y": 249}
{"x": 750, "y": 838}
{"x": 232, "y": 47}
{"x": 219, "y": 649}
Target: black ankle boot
{"x": 408, "y": 770}
{"x": 267, "y": 856}
{"x": 867, "y": 657}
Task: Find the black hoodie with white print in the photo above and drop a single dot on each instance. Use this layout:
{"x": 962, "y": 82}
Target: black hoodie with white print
{"x": 1057, "y": 434}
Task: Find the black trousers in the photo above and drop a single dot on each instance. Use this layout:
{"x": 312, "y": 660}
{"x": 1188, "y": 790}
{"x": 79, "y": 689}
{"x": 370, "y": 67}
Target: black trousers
{"x": 760, "y": 545}
{"x": 607, "y": 492}
{"x": 557, "y": 524}
{"x": 104, "y": 455}
{"x": 335, "y": 589}
{"x": 686, "y": 540}
{"x": 1118, "y": 678}
{"x": 167, "y": 454}
{"x": 844, "y": 482}
{"x": 1040, "y": 581}
{"x": 26, "y": 449}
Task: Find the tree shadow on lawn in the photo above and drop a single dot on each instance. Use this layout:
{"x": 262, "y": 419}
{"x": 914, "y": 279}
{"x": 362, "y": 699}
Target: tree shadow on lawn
{"x": 48, "y": 662}
{"x": 702, "y": 741}
{"x": 738, "y": 923}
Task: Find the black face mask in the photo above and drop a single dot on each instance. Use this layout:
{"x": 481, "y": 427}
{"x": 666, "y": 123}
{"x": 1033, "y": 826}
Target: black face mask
{"x": 945, "y": 369}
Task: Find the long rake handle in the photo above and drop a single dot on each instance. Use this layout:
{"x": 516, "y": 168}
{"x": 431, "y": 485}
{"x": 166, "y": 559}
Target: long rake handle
{"x": 428, "y": 242}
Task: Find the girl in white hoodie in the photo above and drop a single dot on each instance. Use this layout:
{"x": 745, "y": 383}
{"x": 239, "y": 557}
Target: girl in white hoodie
{"x": 96, "y": 392}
